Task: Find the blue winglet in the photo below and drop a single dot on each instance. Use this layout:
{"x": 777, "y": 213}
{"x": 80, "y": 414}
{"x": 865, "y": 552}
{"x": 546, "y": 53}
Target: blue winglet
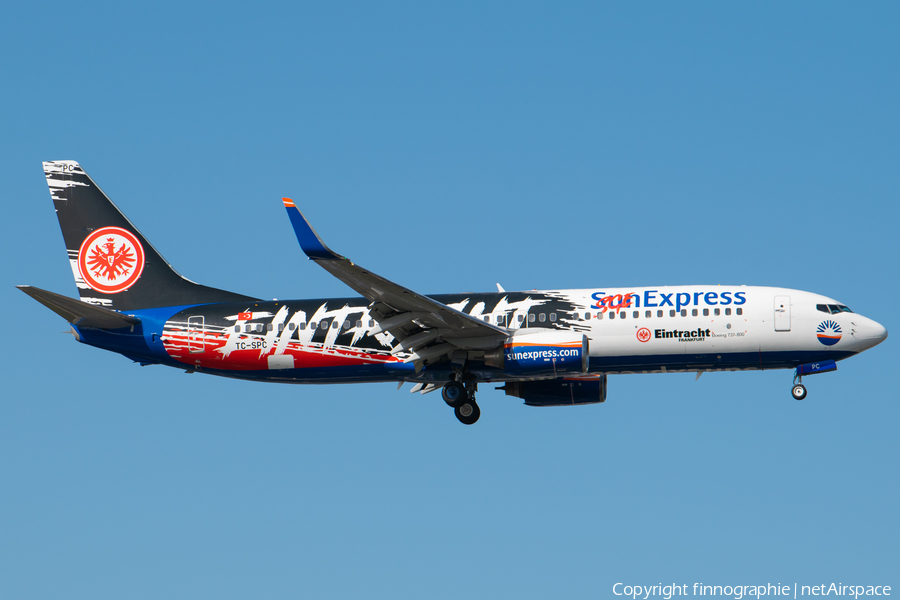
{"x": 309, "y": 240}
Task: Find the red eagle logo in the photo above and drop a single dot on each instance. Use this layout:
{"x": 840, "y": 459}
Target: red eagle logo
{"x": 110, "y": 260}
{"x": 105, "y": 262}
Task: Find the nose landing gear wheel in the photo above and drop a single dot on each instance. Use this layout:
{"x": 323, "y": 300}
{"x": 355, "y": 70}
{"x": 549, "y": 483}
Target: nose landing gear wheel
{"x": 798, "y": 391}
{"x": 467, "y": 412}
{"x": 453, "y": 393}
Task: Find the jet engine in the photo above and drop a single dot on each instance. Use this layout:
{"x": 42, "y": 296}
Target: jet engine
{"x": 541, "y": 352}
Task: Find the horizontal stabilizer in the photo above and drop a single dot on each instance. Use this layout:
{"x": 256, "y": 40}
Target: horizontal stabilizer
{"x": 80, "y": 313}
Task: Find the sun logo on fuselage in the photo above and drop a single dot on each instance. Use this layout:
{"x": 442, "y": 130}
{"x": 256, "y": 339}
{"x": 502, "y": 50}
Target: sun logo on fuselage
{"x": 829, "y": 332}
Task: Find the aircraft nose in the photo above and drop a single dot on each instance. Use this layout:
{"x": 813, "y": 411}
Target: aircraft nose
{"x": 871, "y": 334}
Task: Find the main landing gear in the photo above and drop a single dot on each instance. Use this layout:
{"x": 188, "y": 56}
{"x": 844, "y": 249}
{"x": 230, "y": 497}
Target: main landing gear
{"x": 462, "y": 399}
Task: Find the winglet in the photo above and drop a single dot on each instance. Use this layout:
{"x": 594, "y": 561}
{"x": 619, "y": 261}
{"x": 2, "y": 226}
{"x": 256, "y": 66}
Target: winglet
{"x": 309, "y": 240}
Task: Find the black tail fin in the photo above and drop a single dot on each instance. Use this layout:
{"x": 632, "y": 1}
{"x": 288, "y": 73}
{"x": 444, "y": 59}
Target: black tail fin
{"x": 114, "y": 265}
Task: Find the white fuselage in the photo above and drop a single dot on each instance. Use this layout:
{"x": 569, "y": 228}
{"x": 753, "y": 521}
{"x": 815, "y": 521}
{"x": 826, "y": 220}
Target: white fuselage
{"x": 776, "y": 324}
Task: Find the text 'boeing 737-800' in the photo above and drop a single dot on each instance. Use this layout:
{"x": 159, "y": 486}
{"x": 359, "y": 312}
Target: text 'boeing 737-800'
{"x": 549, "y": 348}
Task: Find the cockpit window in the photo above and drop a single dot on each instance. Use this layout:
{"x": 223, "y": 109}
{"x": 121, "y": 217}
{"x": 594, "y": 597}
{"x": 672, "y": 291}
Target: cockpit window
{"x": 833, "y": 308}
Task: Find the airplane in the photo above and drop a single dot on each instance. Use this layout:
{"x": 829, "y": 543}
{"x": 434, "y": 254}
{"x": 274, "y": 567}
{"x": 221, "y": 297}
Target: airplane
{"x": 548, "y": 348}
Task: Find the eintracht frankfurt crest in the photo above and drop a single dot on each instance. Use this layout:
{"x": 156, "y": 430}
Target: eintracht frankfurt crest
{"x": 110, "y": 260}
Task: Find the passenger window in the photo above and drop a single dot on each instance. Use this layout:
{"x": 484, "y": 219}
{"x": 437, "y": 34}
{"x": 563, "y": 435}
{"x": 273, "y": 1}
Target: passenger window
{"x": 727, "y": 312}
{"x": 659, "y": 313}
{"x": 280, "y": 327}
{"x": 531, "y": 318}
{"x": 694, "y": 312}
{"x": 672, "y": 313}
{"x": 587, "y": 316}
{"x": 248, "y": 328}
{"x": 347, "y": 325}
{"x": 323, "y": 325}
{"x": 683, "y": 312}
{"x": 739, "y": 311}
{"x": 237, "y": 328}
{"x": 521, "y": 318}
{"x": 292, "y": 326}
{"x": 371, "y": 323}
{"x": 553, "y": 317}
{"x": 600, "y": 316}
{"x": 612, "y": 315}
{"x": 716, "y": 312}
{"x": 542, "y": 317}
{"x": 487, "y": 319}
{"x": 705, "y": 312}
{"x": 636, "y": 314}
{"x": 623, "y": 314}
{"x": 269, "y": 327}
{"x": 648, "y": 314}
{"x": 302, "y": 325}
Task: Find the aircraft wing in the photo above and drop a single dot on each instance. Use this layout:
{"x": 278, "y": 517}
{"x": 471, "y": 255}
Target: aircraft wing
{"x": 396, "y": 307}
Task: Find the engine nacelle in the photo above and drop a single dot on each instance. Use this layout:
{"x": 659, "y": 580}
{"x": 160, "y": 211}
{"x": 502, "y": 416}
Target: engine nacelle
{"x": 541, "y": 352}
{"x": 564, "y": 391}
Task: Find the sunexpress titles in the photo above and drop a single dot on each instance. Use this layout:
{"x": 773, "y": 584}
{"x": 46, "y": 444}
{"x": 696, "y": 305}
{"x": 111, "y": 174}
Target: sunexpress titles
{"x": 658, "y": 299}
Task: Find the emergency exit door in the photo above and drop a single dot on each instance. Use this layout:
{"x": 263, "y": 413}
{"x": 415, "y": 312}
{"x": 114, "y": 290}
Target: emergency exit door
{"x": 782, "y": 313}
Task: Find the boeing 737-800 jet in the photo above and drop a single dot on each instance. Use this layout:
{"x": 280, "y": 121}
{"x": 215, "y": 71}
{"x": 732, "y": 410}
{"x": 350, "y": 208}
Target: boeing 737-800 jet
{"x": 549, "y": 348}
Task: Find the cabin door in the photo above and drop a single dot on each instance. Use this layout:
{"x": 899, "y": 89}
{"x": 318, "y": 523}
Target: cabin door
{"x": 782, "y": 313}
{"x": 195, "y": 334}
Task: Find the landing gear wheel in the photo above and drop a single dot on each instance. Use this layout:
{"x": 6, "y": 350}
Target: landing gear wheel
{"x": 798, "y": 391}
{"x": 467, "y": 412}
{"x": 454, "y": 393}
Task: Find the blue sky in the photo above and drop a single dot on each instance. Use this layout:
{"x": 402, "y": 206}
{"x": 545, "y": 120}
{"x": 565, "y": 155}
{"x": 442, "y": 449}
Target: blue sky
{"x": 449, "y": 148}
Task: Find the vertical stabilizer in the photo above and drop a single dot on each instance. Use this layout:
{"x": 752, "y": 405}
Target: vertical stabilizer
{"x": 113, "y": 263}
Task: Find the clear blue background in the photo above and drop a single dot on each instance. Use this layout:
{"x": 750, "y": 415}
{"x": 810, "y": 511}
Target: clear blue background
{"x": 450, "y": 147}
